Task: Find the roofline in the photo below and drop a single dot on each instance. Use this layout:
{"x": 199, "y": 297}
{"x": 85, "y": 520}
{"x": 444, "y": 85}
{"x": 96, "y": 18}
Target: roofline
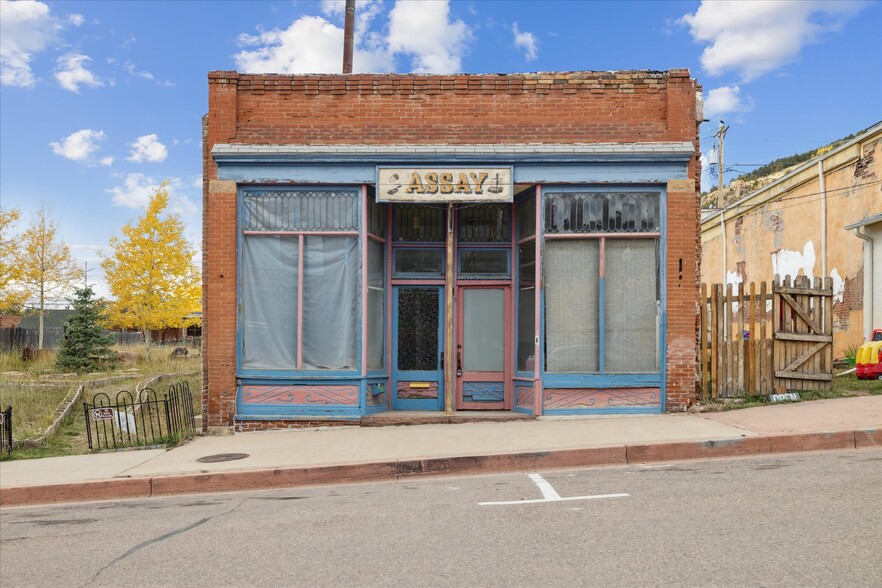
{"x": 876, "y": 128}
{"x": 520, "y": 152}
{"x": 870, "y": 220}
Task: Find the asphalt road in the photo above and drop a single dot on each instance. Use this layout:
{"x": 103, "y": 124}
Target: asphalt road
{"x": 789, "y": 520}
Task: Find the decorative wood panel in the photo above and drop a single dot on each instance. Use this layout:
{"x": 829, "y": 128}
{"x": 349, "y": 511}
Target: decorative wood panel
{"x": 483, "y": 391}
{"x": 300, "y": 395}
{"x": 525, "y": 396}
{"x": 578, "y": 398}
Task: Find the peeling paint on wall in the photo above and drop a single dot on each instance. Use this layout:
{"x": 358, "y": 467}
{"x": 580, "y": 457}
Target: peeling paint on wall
{"x": 772, "y": 220}
{"x": 838, "y": 286}
{"x": 789, "y": 263}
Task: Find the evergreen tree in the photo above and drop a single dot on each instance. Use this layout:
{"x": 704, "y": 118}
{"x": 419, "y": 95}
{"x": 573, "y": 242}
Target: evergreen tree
{"x": 85, "y": 347}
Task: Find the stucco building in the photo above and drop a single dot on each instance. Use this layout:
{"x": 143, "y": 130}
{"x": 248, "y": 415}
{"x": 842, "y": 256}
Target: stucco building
{"x": 374, "y": 243}
{"x": 824, "y": 218}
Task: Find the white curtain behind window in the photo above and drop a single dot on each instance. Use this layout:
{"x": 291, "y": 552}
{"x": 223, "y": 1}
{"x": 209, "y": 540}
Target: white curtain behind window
{"x": 330, "y": 303}
{"x": 269, "y": 303}
{"x": 631, "y": 307}
{"x": 571, "y": 315}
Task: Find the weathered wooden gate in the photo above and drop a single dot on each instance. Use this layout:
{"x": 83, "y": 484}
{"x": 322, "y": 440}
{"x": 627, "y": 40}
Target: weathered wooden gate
{"x": 803, "y": 332}
{"x": 755, "y": 339}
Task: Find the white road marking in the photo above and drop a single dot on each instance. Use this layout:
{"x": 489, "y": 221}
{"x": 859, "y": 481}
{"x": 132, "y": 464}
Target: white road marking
{"x": 549, "y": 494}
{"x": 540, "y": 500}
{"x": 547, "y": 491}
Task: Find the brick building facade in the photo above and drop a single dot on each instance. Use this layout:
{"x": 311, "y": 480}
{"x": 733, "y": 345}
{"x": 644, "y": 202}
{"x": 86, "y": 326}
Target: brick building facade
{"x": 358, "y": 229}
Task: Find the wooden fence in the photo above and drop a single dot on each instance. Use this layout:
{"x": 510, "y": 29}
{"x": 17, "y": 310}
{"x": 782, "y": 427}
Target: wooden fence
{"x": 763, "y": 339}
{"x": 17, "y": 338}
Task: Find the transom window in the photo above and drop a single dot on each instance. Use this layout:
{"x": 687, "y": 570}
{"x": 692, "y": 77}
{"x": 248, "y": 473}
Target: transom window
{"x": 602, "y": 212}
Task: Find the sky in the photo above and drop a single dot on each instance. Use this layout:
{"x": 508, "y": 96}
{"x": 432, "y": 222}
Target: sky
{"x": 101, "y": 101}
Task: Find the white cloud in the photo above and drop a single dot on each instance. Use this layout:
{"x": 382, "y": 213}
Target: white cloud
{"x": 76, "y": 20}
{"x": 130, "y": 67}
{"x": 726, "y": 100}
{"x": 310, "y": 45}
{"x": 106, "y": 161}
{"x": 148, "y": 148}
{"x": 138, "y": 188}
{"x": 71, "y": 72}
{"x": 525, "y": 40}
{"x": 424, "y": 31}
{"x": 26, "y": 28}
{"x": 78, "y": 146}
{"x": 754, "y": 38}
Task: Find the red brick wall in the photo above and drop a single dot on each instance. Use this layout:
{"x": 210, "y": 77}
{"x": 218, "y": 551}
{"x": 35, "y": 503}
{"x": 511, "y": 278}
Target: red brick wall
{"x": 572, "y": 107}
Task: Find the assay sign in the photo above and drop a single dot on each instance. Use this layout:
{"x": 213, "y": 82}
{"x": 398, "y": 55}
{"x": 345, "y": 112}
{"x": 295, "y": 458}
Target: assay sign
{"x": 444, "y": 184}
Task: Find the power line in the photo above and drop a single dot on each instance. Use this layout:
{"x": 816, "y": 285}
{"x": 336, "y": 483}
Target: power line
{"x": 838, "y": 192}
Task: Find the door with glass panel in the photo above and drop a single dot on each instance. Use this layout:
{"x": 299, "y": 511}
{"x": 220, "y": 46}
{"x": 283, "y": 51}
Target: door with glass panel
{"x": 483, "y": 347}
{"x": 417, "y": 348}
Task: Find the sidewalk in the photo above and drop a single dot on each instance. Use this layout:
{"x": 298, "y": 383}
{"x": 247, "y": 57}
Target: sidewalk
{"x": 349, "y": 454}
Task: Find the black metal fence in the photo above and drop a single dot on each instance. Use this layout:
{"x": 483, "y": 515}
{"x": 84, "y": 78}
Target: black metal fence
{"x": 145, "y": 421}
{"x": 6, "y": 430}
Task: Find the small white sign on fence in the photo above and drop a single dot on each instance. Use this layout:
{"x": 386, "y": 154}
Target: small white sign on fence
{"x": 102, "y": 414}
{"x": 794, "y": 396}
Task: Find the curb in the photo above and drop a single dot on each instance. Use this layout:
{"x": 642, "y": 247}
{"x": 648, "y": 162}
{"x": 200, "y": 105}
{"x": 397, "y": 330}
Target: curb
{"x": 123, "y": 488}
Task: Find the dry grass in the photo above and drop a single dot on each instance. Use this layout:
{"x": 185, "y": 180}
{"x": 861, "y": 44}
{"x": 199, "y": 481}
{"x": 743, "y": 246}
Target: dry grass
{"x": 33, "y": 407}
{"x": 36, "y": 390}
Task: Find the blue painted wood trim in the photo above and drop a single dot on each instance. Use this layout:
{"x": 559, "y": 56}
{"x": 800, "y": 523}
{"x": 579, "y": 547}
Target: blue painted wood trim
{"x": 298, "y": 416}
{"x": 575, "y": 411}
{"x": 500, "y": 156}
{"x": 558, "y": 171}
{"x": 550, "y": 381}
{"x": 521, "y": 410}
{"x": 419, "y": 376}
{"x": 613, "y": 380}
{"x": 251, "y": 373}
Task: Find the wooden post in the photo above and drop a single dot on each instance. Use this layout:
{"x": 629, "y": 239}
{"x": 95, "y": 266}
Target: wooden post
{"x": 740, "y": 343}
{"x": 702, "y": 340}
{"x": 715, "y": 340}
{"x": 449, "y": 317}
{"x": 727, "y": 324}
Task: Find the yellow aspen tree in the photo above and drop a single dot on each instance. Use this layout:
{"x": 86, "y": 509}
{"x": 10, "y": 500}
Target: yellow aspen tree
{"x": 12, "y": 296}
{"x": 48, "y": 271}
{"x": 151, "y": 273}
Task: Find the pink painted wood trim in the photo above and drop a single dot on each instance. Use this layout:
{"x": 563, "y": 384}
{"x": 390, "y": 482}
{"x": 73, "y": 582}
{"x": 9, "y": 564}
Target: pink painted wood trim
{"x": 491, "y": 283}
{"x": 527, "y": 239}
{"x": 299, "y": 233}
{"x": 507, "y": 384}
{"x": 373, "y": 237}
{"x": 602, "y": 260}
{"x": 604, "y": 235}
{"x": 409, "y": 282}
{"x": 508, "y": 390}
{"x": 508, "y": 346}
{"x": 300, "y": 302}
{"x": 537, "y": 319}
{"x": 364, "y": 288}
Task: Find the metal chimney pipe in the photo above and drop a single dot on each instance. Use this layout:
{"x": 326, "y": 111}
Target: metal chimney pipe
{"x": 348, "y": 36}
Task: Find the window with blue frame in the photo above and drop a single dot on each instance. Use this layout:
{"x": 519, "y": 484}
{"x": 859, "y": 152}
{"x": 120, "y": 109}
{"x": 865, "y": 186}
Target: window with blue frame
{"x": 299, "y": 280}
{"x": 602, "y": 282}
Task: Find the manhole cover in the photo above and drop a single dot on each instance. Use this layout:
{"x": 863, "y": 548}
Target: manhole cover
{"x": 222, "y": 457}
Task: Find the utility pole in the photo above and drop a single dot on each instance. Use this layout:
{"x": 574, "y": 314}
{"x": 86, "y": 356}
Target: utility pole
{"x": 348, "y": 36}
{"x": 721, "y": 135}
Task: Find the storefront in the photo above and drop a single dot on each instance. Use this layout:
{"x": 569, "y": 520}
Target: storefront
{"x": 364, "y": 253}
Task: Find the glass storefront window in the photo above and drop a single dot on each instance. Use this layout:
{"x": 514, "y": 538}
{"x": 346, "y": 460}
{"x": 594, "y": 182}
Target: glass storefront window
{"x": 278, "y": 271}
